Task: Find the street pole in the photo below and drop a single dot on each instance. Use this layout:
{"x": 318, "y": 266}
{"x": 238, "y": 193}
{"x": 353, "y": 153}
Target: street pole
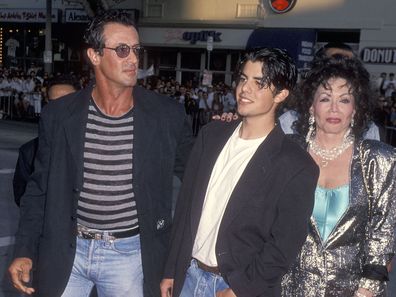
{"x": 48, "y": 39}
{"x": 209, "y": 48}
{"x": 208, "y": 60}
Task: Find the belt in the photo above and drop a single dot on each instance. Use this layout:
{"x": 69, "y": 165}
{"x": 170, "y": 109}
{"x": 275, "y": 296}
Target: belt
{"x": 104, "y": 235}
{"x": 211, "y": 269}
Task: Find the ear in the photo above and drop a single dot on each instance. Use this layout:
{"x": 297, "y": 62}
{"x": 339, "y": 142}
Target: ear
{"x": 281, "y": 96}
{"x": 93, "y": 56}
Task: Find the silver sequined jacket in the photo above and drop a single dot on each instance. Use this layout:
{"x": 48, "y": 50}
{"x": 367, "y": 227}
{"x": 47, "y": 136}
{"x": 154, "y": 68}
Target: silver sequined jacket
{"x": 364, "y": 235}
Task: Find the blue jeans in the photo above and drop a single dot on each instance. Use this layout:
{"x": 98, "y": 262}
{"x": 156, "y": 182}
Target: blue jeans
{"x": 115, "y": 267}
{"x": 199, "y": 283}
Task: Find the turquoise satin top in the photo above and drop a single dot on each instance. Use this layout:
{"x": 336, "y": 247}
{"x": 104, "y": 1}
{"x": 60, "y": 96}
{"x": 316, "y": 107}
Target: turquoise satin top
{"x": 330, "y": 206}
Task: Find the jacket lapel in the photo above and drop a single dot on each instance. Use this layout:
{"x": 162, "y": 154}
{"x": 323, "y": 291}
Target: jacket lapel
{"x": 255, "y": 176}
{"x": 212, "y": 149}
{"x": 145, "y": 124}
{"x": 355, "y": 192}
{"x": 75, "y": 126}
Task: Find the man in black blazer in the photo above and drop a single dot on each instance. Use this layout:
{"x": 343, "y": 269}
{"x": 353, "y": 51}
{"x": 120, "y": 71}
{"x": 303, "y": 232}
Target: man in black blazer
{"x": 247, "y": 195}
{"x": 97, "y": 208}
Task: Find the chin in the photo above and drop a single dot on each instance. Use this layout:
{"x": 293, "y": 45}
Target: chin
{"x": 242, "y": 112}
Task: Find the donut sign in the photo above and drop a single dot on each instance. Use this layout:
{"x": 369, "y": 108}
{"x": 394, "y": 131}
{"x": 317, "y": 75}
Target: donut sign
{"x": 281, "y": 6}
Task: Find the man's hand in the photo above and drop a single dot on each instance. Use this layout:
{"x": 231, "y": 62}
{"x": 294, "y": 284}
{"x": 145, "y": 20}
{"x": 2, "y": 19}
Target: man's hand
{"x": 225, "y": 293}
{"x": 19, "y": 271}
{"x": 166, "y": 287}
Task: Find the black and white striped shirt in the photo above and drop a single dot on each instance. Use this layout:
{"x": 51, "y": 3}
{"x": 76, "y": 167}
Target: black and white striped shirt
{"x": 107, "y": 198}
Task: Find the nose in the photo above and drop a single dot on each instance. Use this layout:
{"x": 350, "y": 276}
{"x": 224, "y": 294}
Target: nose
{"x": 133, "y": 57}
{"x": 334, "y": 106}
{"x": 245, "y": 86}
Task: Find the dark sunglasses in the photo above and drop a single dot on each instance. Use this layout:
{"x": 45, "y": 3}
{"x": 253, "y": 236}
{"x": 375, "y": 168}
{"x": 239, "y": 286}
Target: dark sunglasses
{"x": 123, "y": 50}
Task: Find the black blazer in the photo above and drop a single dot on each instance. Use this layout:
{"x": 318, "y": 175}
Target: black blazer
{"x": 48, "y": 227}
{"x": 24, "y": 168}
{"x": 266, "y": 219}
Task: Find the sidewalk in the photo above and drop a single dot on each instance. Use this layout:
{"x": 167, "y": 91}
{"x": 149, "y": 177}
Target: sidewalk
{"x": 15, "y": 133}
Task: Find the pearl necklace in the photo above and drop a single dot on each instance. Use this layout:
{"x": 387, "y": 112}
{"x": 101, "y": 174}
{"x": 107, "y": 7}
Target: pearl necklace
{"x": 330, "y": 154}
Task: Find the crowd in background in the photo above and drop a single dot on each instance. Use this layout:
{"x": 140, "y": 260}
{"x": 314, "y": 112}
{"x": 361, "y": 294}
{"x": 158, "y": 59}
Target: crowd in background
{"x": 200, "y": 102}
{"x": 23, "y": 94}
{"x": 385, "y": 87}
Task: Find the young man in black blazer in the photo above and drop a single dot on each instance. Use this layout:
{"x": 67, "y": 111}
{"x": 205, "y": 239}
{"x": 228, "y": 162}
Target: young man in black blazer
{"x": 247, "y": 195}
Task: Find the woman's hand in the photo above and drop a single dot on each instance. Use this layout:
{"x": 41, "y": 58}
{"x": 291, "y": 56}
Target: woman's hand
{"x": 226, "y": 117}
{"x": 225, "y": 293}
{"x": 361, "y": 292}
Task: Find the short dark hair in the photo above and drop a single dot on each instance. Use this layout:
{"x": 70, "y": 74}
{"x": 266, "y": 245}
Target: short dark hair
{"x": 278, "y": 68}
{"x": 63, "y": 80}
{"x": 356, "y": 76}
{"x": 321, "y": 53}
{"x": 93, "y": 36}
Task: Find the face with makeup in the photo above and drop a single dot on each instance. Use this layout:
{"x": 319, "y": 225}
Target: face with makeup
{"x": 333, "y": 107}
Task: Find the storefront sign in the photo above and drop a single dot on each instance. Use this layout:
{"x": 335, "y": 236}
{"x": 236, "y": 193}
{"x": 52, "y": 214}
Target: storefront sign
{"x": 76, "y": 16}
{"x": 26, "y": 15}
{"x": 193, "y": 37}
{"x": 305, "y": 55}
{"x": 378, "y": 55}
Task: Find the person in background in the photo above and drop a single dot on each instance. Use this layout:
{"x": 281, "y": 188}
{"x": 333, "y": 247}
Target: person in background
{"x": 389, "y": 86}
{"x": 243, "y": 209}
{"x": 351, "y": 232}
{"x": 217, "y": 105}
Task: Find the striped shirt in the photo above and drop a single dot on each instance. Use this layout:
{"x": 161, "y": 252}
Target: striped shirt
{"x": 107, "y": 198}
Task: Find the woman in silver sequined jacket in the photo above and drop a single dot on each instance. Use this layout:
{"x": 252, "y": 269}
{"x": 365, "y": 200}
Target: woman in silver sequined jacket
{"x": 351, "y": 233}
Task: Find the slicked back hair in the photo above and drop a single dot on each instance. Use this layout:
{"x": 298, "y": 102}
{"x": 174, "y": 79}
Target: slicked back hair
{"x": 278, "y": 68}
{"x": 94, "y": 33}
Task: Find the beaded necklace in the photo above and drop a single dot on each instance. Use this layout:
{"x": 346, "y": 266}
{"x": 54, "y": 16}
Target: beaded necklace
{"x": 330, "y": 154}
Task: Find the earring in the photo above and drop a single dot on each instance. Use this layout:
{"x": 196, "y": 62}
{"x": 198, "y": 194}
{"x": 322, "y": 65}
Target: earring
{"x": 311, "y": 128}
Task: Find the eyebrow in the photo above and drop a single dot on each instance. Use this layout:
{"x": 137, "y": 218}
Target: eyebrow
{"x": 329, "y": 92}
{"x": 260, "y": 78}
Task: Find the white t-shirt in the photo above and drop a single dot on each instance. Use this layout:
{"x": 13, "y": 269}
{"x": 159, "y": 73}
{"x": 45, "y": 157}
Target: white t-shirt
{"x": 229, "y": 166}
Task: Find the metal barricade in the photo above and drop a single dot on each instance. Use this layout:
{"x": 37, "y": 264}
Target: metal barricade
{"x": 6, "y": 106}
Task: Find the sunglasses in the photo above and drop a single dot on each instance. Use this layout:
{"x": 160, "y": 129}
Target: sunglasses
{"x": 123, "y": 50}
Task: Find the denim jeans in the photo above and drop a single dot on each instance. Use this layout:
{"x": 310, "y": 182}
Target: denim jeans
{"x": 199, "y": 283}
{"x": 115, "y": 267}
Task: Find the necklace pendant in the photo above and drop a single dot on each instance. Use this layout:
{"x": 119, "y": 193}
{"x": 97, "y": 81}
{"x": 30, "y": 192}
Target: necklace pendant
{"x": 324, "y": 163}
